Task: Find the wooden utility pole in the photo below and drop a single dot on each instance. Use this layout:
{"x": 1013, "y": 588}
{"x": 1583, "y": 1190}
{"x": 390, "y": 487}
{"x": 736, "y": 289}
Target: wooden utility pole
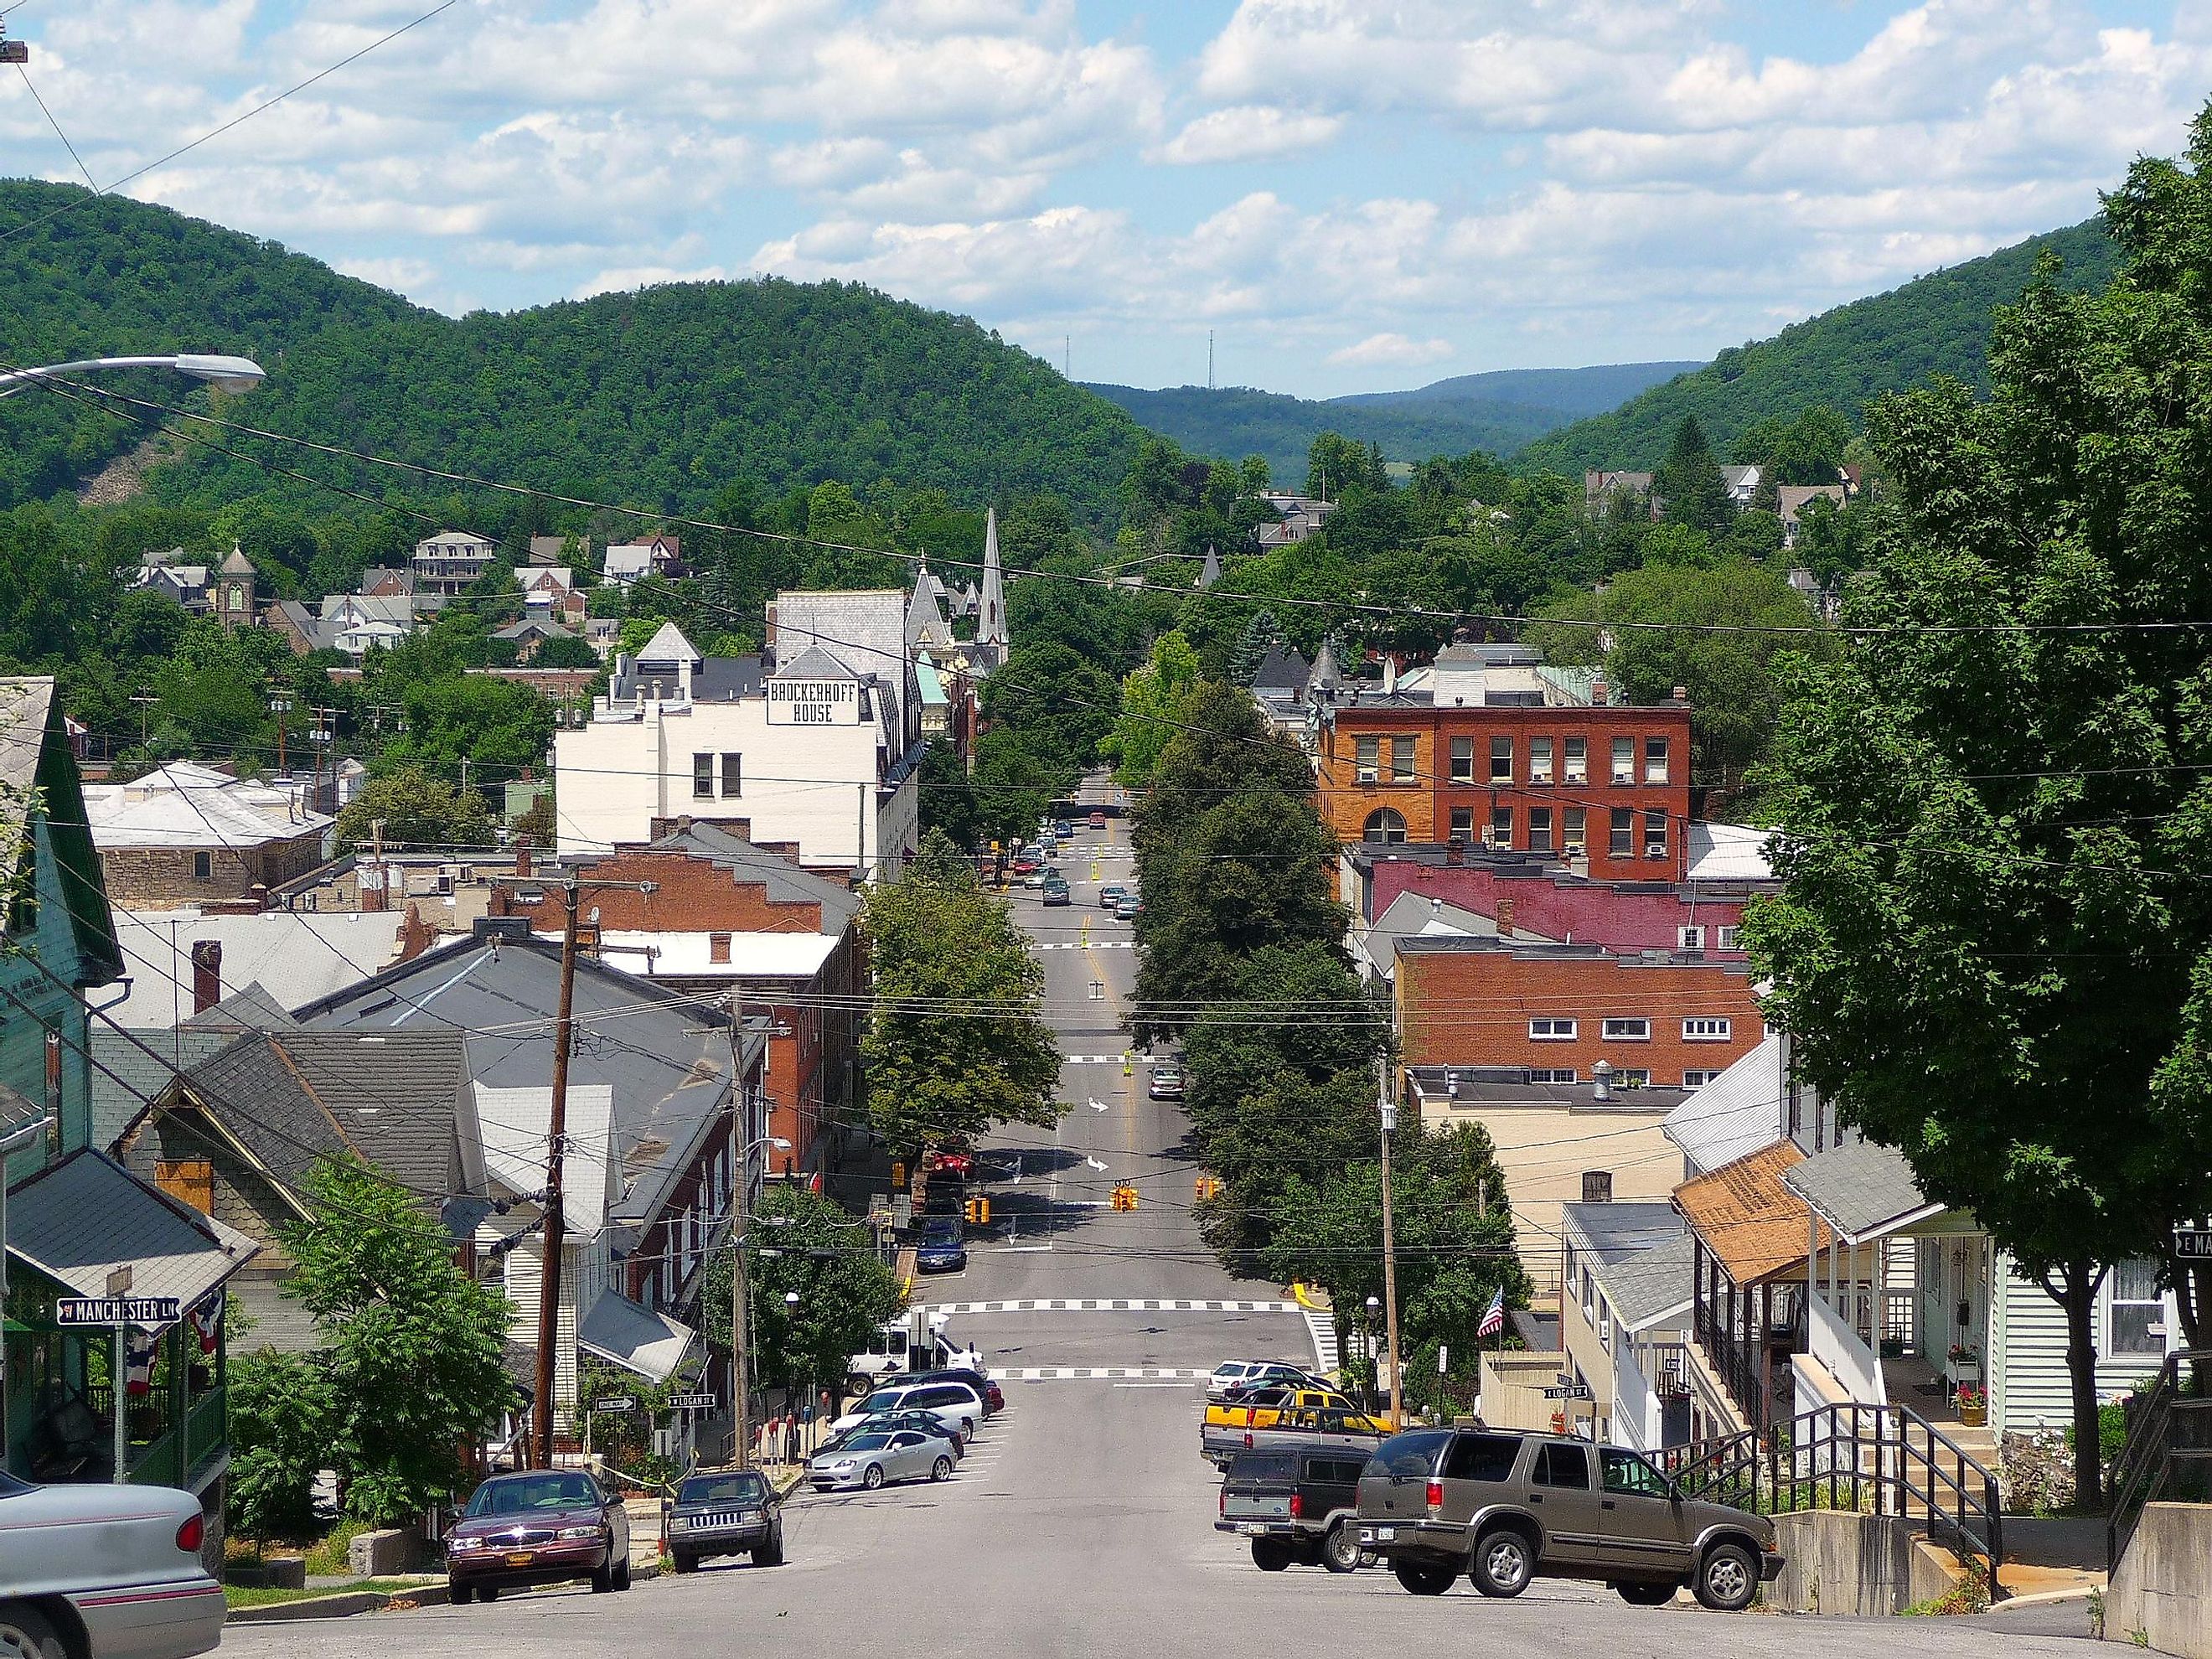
{"x": 1389, "y": 1251}
{"x": 741, "y": 1177}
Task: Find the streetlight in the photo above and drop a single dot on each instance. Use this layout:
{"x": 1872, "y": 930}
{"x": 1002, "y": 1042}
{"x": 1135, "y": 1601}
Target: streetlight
{"x": 224, "y": 373}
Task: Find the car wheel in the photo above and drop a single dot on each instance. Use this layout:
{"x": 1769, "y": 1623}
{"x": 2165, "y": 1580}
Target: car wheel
{"x": 1647, "y": 1595}
{"x": 770, "y": 1554}
{"x": 622, "y": 1575}
{"x": 1504, "y": 1561}
{"x": 1423, "y": 1580}
{"x": 1339, "y": 1551}
{"x": 1727, "y": 1578}
{"x": 1270, "y": 1555}
{"x": 941, "y": 1469}
{"x": 25, "y": 1634}
{"x": 459, "y": 1596}
{"x": 683, "y": 1561}
{"x": 487, "y": 1593}
{"x": 874, "y": 1477}
{"x": 968, "y": 1428}
{"x": 602, "y": 1581}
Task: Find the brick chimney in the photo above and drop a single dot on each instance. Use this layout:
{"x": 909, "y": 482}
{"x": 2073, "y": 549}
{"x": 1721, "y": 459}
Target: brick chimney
{"x": 207, "y": 974}
{"x": 522, "y": 855}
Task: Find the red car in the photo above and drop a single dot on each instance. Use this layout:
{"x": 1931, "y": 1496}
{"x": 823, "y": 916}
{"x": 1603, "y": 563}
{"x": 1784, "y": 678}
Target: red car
{"x": 540, "y": 1527}
{"x": 1097, "y": 820}
{"x": 952, "y": 1164}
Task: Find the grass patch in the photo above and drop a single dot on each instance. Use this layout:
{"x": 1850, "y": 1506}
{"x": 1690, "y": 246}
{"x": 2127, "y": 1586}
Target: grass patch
{"x": 241, "y": 1596}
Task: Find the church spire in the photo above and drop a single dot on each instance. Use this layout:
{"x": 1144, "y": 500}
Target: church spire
{"x": 991, "y": 613}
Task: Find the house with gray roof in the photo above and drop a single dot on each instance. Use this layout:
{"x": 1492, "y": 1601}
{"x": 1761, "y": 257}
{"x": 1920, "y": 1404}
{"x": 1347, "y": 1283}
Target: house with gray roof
{"x": 1623, "y": 1313}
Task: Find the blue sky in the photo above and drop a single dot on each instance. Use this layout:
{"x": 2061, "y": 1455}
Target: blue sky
{"x": 1350, "y": 196}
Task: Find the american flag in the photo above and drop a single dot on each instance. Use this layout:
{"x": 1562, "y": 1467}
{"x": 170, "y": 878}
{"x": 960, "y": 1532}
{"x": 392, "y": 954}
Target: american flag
{"x": 1494, "y": 1318}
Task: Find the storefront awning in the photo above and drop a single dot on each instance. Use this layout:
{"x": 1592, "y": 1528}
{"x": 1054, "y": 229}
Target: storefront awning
{"x": 81, "y": 1220}
{"x": 632, "y": 1336}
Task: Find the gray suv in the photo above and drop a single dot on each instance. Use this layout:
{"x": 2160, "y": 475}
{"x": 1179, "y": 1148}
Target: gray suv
{"x": 1505, "y": 1508}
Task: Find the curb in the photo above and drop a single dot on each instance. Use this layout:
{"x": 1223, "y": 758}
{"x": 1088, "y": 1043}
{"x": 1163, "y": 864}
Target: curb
{"x": 349, "y": 1604}
{"x": 2044, "y": 1598}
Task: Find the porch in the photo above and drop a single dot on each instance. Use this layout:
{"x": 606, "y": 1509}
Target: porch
{"x": 1749, "y": 1281}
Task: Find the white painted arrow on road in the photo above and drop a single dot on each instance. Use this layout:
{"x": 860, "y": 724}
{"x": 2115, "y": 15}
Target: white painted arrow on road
{"x": 1096, "y": 1164}
{"x": 1097, "y": 1104}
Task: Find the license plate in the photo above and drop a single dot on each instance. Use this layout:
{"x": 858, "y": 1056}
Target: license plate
{"x": 1378, "y": 1536}
{"x": 522, "y": 1559}
{"x": 1252, "y": 1529}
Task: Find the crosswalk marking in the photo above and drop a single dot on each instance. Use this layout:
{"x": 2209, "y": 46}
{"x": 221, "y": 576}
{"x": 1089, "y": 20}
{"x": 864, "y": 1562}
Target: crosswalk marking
{"x": 1091, "y": 1059}
{"x": 1089, "y": 945}
{"x": 1113, "y": 1304}
{"x": 1100, "y": 1374}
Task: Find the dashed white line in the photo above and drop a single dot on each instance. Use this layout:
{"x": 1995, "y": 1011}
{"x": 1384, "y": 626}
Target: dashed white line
{"x": 1102, "y": 1374}
{"x": 1114, "y": 1305}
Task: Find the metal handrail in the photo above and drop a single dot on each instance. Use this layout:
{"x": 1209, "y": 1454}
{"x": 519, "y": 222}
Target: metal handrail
{"x": 2147, "y": 1462}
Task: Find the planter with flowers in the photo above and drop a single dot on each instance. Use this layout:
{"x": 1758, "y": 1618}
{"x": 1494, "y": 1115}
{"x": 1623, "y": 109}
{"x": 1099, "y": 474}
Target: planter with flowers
{"x": 1974, "y": 1406}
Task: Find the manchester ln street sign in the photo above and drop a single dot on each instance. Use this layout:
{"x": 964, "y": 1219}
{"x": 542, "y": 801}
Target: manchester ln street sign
{"x": 149, "y": 1312}
{"x": 2193, "y": 1243}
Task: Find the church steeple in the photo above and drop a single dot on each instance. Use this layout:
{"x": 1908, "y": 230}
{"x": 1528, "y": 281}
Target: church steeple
{"x": 991, "y": 611}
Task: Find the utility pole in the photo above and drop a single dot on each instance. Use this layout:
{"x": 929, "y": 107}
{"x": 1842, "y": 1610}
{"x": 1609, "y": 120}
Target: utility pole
{"x": 741, "y": 1175}
{"x": 551, "y": 1238}
{"x": 145, "y": 702}
{"x": 1389, "y": 1251}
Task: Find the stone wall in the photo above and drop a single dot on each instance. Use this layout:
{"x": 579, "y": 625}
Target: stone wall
{"x": 163, "y": 878}
{"x": 2162, "y": 1586}
{"x": 1864, "y": 1566}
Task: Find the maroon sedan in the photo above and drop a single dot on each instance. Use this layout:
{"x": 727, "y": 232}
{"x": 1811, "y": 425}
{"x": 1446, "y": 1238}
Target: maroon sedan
{"x": 540, "y": 1527}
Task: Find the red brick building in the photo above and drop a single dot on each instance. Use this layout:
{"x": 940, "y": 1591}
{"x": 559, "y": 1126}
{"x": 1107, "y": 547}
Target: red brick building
{"x": 729, "y": 916}
{"x": 1488, "y": 749}
{"x": 1662, "y": 1020}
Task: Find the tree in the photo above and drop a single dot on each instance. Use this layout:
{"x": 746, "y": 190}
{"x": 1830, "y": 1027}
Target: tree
{"x": 1689, "y": 484}
{"x": 1155, "y": 700}
{"x": 417, "y": 810}
{"x": 1263, "y": 634}
{"x": 572, "y": 652}
{"x": 278, "y": 1405}
{"x": 956, "y": 1043}
{"x": 1991, "y": 948}
{"x": 413, "y": 1358}
{"x": 948, "y": 797}
{"x": 803, "y": 1243}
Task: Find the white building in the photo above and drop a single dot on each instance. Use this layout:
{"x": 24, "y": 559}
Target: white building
{"x": 817, "y": 751}
{"x": 449, "y": 561}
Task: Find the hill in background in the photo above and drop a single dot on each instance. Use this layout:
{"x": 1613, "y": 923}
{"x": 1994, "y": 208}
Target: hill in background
{"x": 654, "y": 398}
{"x": 1571, "y": 393}
{"x": 1935, "y": 325}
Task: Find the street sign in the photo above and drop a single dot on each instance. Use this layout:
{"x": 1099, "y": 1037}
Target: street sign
{"x": 149, "y": 1312}
{"x": 694, "y": 1402}
{"x": 615, "y": 1402}
{"x": 1564, "y": 1379}
{"x": 2192, "y": 1244}
{"x": 1571, "y": 1393}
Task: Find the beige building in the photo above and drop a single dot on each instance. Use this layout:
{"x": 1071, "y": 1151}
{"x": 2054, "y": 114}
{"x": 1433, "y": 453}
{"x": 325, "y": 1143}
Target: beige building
{"x": 1624, "y": 1320}
{"x": 185, "y": 834}
{"x": 1558, "y": 1144}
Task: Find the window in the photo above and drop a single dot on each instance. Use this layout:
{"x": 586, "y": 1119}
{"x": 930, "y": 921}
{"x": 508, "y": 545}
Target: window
{"x": 1414, "y": 1455}
{"x": 1597, "y": 1186}
{"x": 1539, "y": 760}
{"x": 1623, "y": 760}
{"x": 1696, "y": 1080}
{"x": 1501, "y": 760}
{"x": 718, "y": 947}
{"x": 1631, "y": 1078}
{"x": 1654, "y": 760}
{"x": 1578, "y": 760}
{"x": 1551, "y": 1030}
{"x": 202, "y": 866}
{"x": 1476, "y": 1456}
{"x": 1708, "y": 1030}
{"x": 733, "y": 775}
{"x": 1575, "y": 836}
{"x": 1402, "y": 760}
{"x": 1728, "y": 938}
{"x": 1561, "y": 1465}
{"x": 1367, "y": 752}
{"x": 1501, "y": 827}
{"x": 1627, "y": 1030}
{"x": 1654, "y": 834}
{"x": 1385, "y": 828}
{"x": 702, "y": 777}
{"x": 1463, "y": 823}
{"x": 1539, "y": 829}
{"x": 1463, "y": 760}
{"x": 1692, "y": 939}
{"x": 2138, "y": 1309}
{"x": 1629, "y": 1474}
{"x": 1623, "y": 845}
{"x": 1552, "y": 1075}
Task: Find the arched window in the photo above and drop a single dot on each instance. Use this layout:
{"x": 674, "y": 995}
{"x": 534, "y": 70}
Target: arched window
{"x": 1385, "y": 826}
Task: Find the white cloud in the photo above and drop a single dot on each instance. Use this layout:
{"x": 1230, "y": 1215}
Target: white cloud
{"x": 1248, "y": 132}
{"x": 1392, "y": 350}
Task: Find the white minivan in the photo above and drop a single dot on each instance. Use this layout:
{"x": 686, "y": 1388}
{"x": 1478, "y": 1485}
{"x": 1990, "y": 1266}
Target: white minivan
{"x": 954, "y": 1405}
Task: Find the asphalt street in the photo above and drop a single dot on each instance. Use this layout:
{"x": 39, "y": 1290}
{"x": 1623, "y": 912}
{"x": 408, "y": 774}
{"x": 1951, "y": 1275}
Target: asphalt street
{"x": 1081, "y": 1522}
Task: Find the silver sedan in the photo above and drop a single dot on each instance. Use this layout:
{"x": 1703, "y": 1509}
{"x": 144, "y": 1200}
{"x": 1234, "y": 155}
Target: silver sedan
{"x": 869, "y": 1460}
{"x": 122, "y": 1562}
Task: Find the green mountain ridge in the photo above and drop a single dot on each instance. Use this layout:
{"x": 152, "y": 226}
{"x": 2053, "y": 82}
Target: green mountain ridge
{"x": 1572, "y": 394}
{"x": 1938, "y": 323}
{"x": 654, "y": 398}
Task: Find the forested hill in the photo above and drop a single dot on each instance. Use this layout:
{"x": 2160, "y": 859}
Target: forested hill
{"x": 1937, "y": 323}
{"x": 1570, "y": 393}
{"x": 656, "y": 399}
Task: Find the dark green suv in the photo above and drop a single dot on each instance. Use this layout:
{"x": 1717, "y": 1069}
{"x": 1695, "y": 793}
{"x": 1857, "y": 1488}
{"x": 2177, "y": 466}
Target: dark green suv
{"x": 1505, "y": 1508}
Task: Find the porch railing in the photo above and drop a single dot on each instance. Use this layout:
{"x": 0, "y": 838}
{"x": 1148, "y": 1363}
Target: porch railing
{"x": 2168, "y": 1452}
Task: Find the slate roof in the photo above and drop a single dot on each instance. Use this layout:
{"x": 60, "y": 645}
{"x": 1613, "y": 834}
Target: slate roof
{"x": 79, "y": 1221}
{"x": 816, "y": 663}
{"x": 235, "y": 563}
{"x": 1640, "y": 1252}
{"x": 1747, "y": 1217}
{"x": 249, "y": 1008}
{"x": 668, "y": 644}
{"x": 1864, "y": 1189}
{"x": 126, "y": 1079}
{"x": 1285, "y": 671}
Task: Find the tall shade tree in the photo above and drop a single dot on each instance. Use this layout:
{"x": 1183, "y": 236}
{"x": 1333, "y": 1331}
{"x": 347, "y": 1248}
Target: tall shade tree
{"x": 1154, "y": 700}
{"x": 1993, "y": 948}
{"x": 956, "y": 1043}
{"x": 1689, "y": 484}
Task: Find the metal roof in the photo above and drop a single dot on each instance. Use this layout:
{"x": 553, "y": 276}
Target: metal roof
{"x": 634, "y": 1336}
{"x": 297, "y": 956}
{"x": 82, "y": 1220}
{"x": 1737, "y": 1113}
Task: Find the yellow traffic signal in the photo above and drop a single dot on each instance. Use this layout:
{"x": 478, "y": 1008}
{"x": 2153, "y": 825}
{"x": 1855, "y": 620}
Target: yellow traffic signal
{"x": 1208, "y": 1187}
{"x": 898, "y": 1177}
{"x": 969, "y": 1210}
{"x": 1125, "y": 1197}
{"x": 982, "y": 1211}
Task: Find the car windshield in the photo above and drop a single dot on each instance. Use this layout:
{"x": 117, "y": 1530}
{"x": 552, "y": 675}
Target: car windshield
{"x": 10, "y": 1486}
{"x": 520, "y": 1494}
{"x": 940, "y": 1229}
{"x": 876, "y": 1404}
{"x": 723, "y": 1489}
{"x": 867, "y": 1443}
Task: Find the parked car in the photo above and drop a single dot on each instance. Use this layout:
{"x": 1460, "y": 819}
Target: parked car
{"x": 1233, "y": 1375}
{"x": 540, "y": 1527}
{"x": 1297, "y": 1505}
{"x": 994, "y": 1401}
{"x": 890, "y": 1422}
{"x": 1341, "y": 1427}
{"x": 870, "y": 1460}
{"x": 1111, "y": 895}
{"x": 1506, "y": 1508}
{"x": 122, "y": 1562}
{"x": 1056, "y": 890}
{"x": 1165, "y": 1083}
{"x": 954, "y": 1405}
{"x": 1097, "y": 820}
{"x": 1027, "y": 863}
{"x": 727, "y": 1512}
{"x": 940, "y": 1250}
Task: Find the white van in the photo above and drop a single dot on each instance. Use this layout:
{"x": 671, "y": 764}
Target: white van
{"x": 918, "y": 1342}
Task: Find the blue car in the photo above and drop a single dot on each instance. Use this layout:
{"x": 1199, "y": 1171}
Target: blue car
{"x": 940, "y": 1250}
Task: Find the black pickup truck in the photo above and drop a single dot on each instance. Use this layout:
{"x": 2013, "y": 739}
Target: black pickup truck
{"x": 1297, "y": 1503}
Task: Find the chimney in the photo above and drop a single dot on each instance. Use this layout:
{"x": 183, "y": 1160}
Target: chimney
{"x": 207, "y": 974}
{"x": 1601, "y": 1080}
{"x": 522, "y": 855}
{"x": 1600, "y": 694}
{"x": 1682, "y": 694}
{"x": 1505, "y": 918}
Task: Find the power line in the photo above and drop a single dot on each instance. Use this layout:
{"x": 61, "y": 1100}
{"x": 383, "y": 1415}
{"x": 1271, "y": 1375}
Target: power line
{"x": 24, "y": 72}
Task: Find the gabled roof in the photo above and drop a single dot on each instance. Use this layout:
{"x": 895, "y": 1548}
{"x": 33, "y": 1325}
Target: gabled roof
{"x": 127, "y": 1078}
{"x": 1865, "y": 1191}
{"x": 1640, "y": 1252}
{"x": 235, "y": 563}
{"x": 634, "y": 1337}
{"x": 249, "y": 1008}
{"x": 668, "y": 644}
{"x": 1737, "y": 1113}
{"x": 516, "y": 1124}
{"x": 1283, "y": 671}
{"x": 815, "y": 663}
{"x": 85, "y": 1218}
{"x": 1747, "y": 1218}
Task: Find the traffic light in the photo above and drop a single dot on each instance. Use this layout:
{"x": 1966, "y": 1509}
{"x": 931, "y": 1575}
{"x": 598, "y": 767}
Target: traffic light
{"x": 979, "y": 1212}
{"x": 1125, "y": 1197}
{"x": 898, "y": 1177}
{"x": 1208, "y": 1187}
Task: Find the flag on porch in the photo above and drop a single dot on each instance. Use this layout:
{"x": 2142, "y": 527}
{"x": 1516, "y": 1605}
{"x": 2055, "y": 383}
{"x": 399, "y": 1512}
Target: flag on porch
{"x": 207, "y": 1322}
{"x": 139, "y": 1350}
{"x": 1494, "y": 1318}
